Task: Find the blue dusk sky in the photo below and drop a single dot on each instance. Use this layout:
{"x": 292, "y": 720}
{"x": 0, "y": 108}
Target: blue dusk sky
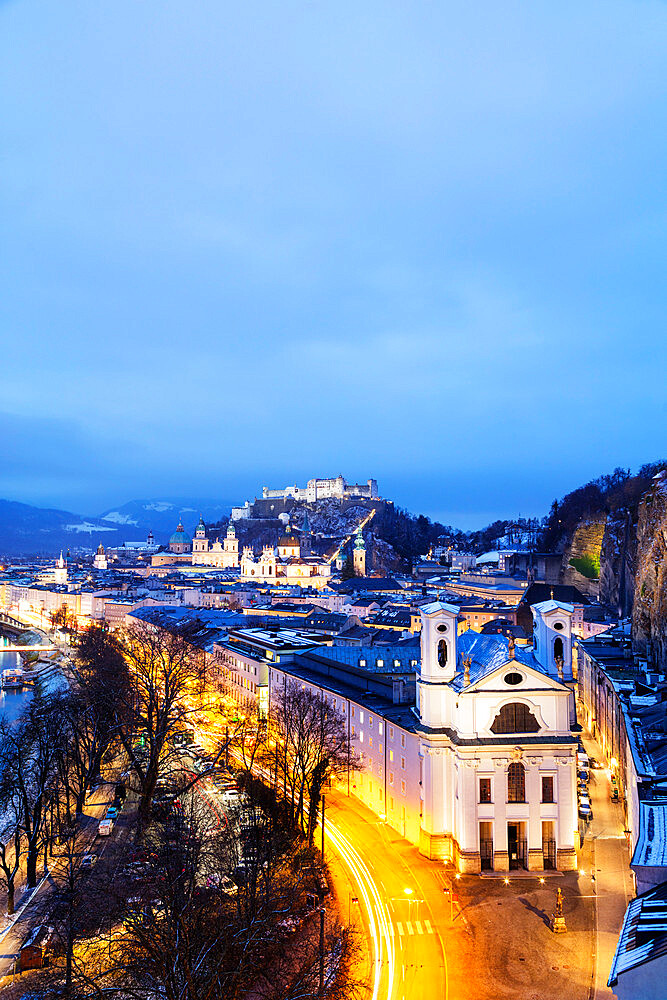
{"x": 250, "y": 243}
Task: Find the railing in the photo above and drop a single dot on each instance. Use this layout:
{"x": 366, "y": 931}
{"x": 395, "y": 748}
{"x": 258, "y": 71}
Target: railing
{"x": 549, "y": 854}
{"x": 518, "y": 854}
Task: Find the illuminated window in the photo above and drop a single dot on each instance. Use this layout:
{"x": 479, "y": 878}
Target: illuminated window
{"x": 402, "y": 788}
{"x": 402, "y": 763}
{"x": 516, "y": 783}
{"x": 370, "y": 741}
{"x": 370, "y": 721}
{"x": 548, "y": 788}
{"x": 361, "y": 718}
{"x": 391, "y": 755}
{"x": 515, "y": 718}
{"x": 391, "y": 732}
{"x": 380, "y": 728}
{"x": 485, "y": 789}
{"x": 361, "y": 736}
{"x": 391, "y": 777}
{"x": 402, "y": 739}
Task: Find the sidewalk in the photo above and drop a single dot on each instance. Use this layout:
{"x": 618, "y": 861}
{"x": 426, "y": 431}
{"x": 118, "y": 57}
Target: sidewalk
{"x": 606, "y": 846}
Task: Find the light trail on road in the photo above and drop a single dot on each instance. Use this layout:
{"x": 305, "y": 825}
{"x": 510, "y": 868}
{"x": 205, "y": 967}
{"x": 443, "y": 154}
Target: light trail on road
{"x": 379, "y": 921}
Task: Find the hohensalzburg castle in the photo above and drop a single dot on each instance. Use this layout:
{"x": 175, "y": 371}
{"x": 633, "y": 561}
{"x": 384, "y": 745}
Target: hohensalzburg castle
{"x": 320, "y": 489}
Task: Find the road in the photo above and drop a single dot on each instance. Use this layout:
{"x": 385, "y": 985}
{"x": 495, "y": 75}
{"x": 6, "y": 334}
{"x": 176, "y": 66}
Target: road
{"x": 404, "y": 903}
{"x": 29, "y": 915}
{"x": 610, "y": 861}
{"x": 412, "y": 925}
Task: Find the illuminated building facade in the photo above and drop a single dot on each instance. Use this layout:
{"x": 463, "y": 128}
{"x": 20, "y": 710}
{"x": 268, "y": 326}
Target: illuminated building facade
{"x": 224, "y": 555}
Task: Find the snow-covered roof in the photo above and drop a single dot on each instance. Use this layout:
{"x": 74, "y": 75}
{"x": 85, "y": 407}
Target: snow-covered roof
{"x": 546, "y": 606}
{"x": 435, "y": 606}
{"x": 643, "y": 936}
{"x": 651, "y": 847}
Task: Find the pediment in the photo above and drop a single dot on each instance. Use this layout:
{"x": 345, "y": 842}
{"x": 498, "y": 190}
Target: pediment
{"x": 532, "y": 679}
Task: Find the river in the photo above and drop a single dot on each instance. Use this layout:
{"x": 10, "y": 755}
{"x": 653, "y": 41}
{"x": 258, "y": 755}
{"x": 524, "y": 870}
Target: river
{"x": 12, "y": 703}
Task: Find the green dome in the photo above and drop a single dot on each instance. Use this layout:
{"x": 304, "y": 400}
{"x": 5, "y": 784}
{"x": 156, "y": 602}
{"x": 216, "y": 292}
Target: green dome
{"x": 180, "y": 537}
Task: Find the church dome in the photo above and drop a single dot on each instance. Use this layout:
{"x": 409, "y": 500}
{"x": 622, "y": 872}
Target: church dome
{"x": 288, "y": 539}
{"x": 180, "y": 536}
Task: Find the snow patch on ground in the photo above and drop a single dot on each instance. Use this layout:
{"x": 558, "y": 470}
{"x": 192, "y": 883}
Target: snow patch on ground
{"x": 87, "y": 527}
{"x": 160, "y": 506}
{"x": 119, "y": 518}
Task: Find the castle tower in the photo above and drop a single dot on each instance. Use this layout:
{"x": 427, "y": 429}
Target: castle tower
{"x": 359, "y": 557}
{"x": 60, "y": 573}
{"x": 150, "y": 541}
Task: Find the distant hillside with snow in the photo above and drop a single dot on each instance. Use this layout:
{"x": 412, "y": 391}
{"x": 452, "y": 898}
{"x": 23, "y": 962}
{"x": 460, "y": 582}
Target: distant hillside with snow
{"x": 161, "y": 515}
{"x": 29, "y": 530}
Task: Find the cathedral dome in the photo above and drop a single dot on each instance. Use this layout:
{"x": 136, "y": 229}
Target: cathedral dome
{"x": 288, "y": 540}
{"x": 180, "y": 537}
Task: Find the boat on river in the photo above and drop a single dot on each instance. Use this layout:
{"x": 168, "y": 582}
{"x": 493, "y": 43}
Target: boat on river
{"x": 13, "y": 678}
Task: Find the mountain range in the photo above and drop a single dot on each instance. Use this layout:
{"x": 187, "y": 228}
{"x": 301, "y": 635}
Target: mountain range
{"x": 29, "y": 530}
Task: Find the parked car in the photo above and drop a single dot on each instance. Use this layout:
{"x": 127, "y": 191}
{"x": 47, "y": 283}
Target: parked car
{"x": 88, "y": 860}
{"x": 585, "y": 811}
{"x": 112, "y": 812}
{"x": 105, "y": 827}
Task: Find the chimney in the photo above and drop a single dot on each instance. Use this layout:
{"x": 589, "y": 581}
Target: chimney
{"x": 467, "y": 660}
{"x": 510, "y": 647}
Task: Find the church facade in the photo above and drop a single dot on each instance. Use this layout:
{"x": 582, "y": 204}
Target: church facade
{"x": 497, "y": 753}
{"x": 224, "y": 555}
{"x": 286, "y": 565}
{"x": 479, "y": 769}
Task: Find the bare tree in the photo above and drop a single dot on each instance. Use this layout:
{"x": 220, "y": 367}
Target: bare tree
{"x": 312, "y": 746}
{"x": 162, "y": 677}
{"x": 10, "y": 837}
{"x": 29, "y": 752}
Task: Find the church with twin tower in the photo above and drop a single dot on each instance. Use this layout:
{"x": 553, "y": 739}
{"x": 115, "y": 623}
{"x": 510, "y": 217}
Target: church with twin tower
{"x": 497, "y": 752}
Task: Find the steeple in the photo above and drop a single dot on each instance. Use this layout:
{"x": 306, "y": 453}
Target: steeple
{"x": 359, "y": 554}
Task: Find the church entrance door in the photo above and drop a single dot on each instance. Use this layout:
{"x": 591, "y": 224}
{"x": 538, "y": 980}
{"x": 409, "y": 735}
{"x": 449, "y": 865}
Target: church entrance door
{"x": 517, "y": 847}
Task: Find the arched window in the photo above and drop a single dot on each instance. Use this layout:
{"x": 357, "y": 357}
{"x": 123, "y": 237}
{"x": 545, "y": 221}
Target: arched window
{"x": 442, "y": 653}
{"x": 515, "y": 718}
{"x": 558, "y": 647}
{"x": 516, "y": 783}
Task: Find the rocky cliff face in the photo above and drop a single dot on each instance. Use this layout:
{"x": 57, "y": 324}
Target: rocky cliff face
{"x": 617, "y": 560}
{"x": 581, "y": 558}
{"x": 649, "y": 619}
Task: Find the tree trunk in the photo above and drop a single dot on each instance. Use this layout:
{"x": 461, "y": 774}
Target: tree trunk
{"x": 10, "y": 897}
{"x": 31, "y": 865}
